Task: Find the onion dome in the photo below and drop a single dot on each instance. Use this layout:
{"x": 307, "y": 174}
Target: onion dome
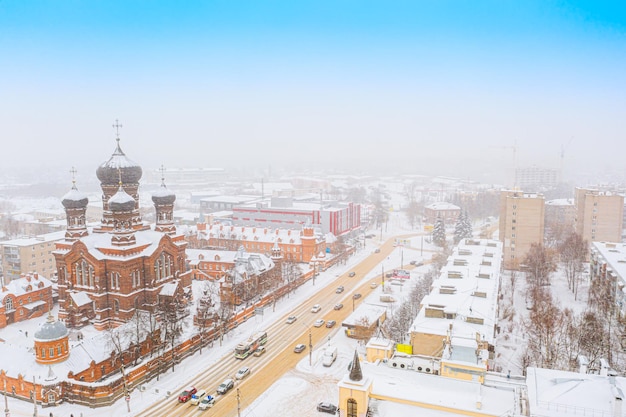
{"x": 51, "y": 330}
{"x": 109, "y": 172}
{"x": 121, "y": 201}
{"x": 74, "y": 199}
{"x": 163, "y": 196}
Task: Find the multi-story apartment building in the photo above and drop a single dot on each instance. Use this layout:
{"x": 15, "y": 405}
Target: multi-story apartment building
{"x": 522, "y": 222}
{"x": 27, "y": 255}
{"x": 599, "y": 215}
{"x": 536, "y": 178}
{"x": 608, "y": 264}
{"x": 462, "y": 304}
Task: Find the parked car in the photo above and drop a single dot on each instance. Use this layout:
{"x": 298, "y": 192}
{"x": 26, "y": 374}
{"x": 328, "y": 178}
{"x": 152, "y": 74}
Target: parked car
{"x": 197, "y": 397}
{"x": 318, "y": 323}
{"x": 242, "y": 373}
{"x": 291, "y": 319}
{"x": 259, "y": 351}
{"x": 316, "y": 308}
{"x": 339, "y": 289}
{"x": 356, "y": 296}
{"x": 351, "y": 274}
{"x": 327, "y": 408}
{"x": 388, "y": 274}
{"x": 338, "y": 306}
{"x": 299, "y": 348}
{"x": 186, "y": 394}
{"x": 225, "y": 386}
{"x": 330, "y": 323}
{"x": 206, "y": 403}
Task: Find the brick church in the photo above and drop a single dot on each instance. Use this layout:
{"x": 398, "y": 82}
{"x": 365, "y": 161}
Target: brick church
{"x": 106, "y": 273}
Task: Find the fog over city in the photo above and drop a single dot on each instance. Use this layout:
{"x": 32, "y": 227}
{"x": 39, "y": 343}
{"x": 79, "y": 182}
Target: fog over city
{"x": 467, "y": 89}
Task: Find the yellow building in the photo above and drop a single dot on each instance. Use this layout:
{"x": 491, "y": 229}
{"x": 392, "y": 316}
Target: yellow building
{"x": 29, "y": 255}
{"x": 522, "y": 220}
{"x": 599, "y": 215}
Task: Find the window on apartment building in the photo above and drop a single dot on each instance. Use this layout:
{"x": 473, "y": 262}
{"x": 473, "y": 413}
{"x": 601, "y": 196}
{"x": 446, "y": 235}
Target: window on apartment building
{"x": 514, "y": 213}
{"x": 514, "y": 206}
{"x": 513, "y": 221}
{"x": 512, "y": 227}
{"x": 513, "y": 235}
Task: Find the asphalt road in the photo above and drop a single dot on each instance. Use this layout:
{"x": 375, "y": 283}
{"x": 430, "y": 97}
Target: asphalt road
{"x": 282, "y": 337}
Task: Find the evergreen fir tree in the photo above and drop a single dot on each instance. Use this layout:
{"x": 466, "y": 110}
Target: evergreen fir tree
{"x": 459, "y": 228}
{"x": 468, "y": 230}
{"x": 439, "y": 233}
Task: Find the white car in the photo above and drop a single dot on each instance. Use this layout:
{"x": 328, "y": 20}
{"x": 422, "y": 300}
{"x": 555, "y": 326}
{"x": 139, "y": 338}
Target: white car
{"x": 291, "y": 319}
{"x": 319, "y": 323}
{"x": 206, "y": 403}
{"x": 316, "y": 308}
{"x": 242, "y": 373}
{"x": 197, "y": 397}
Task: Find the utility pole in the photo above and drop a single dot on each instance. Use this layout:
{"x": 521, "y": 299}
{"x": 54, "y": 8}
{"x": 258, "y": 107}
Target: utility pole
{"x": 34, "y": 398}
{"x": 7, "y": 413}
{"x": 238, "y": 404}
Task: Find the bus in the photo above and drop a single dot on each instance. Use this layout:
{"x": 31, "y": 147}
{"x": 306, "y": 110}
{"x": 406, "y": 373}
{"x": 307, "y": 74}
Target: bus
{"x": 245, "y": 349}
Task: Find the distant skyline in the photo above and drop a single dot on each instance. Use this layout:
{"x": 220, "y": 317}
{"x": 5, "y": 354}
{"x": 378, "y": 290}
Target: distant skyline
{"x": 441, "y": 87}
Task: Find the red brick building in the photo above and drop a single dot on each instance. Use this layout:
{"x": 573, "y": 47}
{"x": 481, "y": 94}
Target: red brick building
{"x": 106, "y": 274}
{"x": 24, "y": 298}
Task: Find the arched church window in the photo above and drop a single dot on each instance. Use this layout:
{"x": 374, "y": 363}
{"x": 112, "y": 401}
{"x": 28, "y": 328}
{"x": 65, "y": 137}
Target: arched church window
{"x": 116, "y": 306}
{"x": 115, "y": 280}
{"x": 351, "y": 408}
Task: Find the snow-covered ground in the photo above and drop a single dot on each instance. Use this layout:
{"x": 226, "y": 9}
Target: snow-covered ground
{"x": 298, "y": 392}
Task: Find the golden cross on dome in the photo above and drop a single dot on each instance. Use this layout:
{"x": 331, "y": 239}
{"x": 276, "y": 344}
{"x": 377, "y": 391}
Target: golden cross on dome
{"x": 117, "y": 126}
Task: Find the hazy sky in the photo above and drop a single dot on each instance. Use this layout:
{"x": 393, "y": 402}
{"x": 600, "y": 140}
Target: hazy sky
{"x": 419, "y": 85}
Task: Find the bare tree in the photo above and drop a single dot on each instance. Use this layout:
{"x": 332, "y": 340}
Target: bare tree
{"x": 172, "y": 311}
{"x": 573, "y": 252}
{"x": 539, "y": 263}
{"x": 546, "y": 331}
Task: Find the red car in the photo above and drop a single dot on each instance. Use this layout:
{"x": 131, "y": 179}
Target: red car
{"x": 186, "y": 394}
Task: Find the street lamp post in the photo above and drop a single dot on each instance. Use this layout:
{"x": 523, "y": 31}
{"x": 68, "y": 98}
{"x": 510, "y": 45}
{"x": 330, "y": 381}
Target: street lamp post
{"x": 310, "y": 349}
{"x": 34, "y": 398}
{"x": 7, "y": 413}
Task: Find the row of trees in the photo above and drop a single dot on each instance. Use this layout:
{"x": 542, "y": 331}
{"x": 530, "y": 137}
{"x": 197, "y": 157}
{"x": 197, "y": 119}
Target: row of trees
{"x": 557, "y": 336}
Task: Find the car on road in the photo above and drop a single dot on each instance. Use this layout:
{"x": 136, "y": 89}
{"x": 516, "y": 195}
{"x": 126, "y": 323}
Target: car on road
{"x": 327, "y": 408}
{"x": 291, "y": 319}
{"x": 356, "y": 296}
{"x": 206, "y": 402}
{"x": 225, "y": 386}
{"x": 197, "y": 397}
{"x": 316, "y": 308}
{"x": 339, "y": 289}
{"x": 351, "y": 274}
{"x": 373, "y": 285}
{"x": 318, "y": 323}
{"x": 330, "y": 323}
{"x": 338, "y": 306}
{"x": 242, "y": 373}
{"x": 412, "y": 262}
{"x": 299, "y": 348}
{"x": 259, "y": 351}
{"x": 377, "y": 251}
{"x": 186, "y": 394}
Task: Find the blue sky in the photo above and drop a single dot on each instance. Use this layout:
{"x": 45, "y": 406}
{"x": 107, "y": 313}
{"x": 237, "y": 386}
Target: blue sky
{"x": 414, "y": 85}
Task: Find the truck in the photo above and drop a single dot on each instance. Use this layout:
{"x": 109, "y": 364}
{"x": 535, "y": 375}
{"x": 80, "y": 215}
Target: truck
{"x": 330, "y": 354}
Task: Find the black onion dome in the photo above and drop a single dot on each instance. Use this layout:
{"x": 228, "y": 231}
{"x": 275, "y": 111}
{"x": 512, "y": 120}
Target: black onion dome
{"x": 74, "y": 199}
{"x": 117, "y": 166}
{"x": 121, "y": 201}
{"x": 163, "y": 196}
{"x": 51, "y": 330}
